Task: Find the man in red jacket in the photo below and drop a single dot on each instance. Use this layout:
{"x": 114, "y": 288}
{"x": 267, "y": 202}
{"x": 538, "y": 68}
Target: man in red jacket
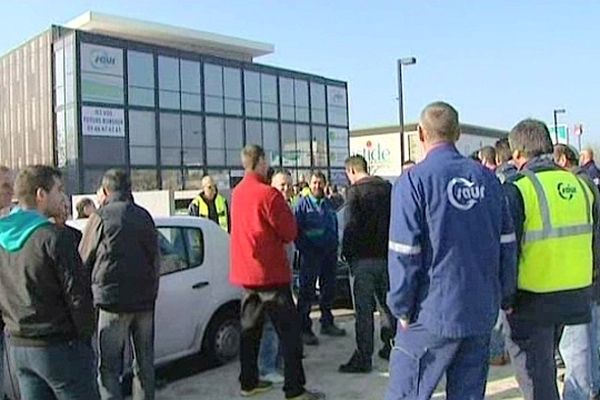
{"x": 262, "y": 224}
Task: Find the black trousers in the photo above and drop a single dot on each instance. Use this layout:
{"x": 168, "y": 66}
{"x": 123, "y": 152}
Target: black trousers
{"x": 370, "y": 287}
{"x": 278, "y": 304}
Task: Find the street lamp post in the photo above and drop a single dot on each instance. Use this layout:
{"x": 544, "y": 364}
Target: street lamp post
{"x": 401, "y": 62}
{"x": 556, "y": 112}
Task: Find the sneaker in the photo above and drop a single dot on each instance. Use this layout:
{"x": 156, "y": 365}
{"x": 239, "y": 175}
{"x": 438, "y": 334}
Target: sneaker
{"x": 261, "y": 387}
{"x": 384, "y": 352}
{"x": 355, "y": 366}
{"x": 332, "y": 330}
{"x": 308, "y": 395}
{"x": 274, "y": 377}
{"x": 309, "y": 339}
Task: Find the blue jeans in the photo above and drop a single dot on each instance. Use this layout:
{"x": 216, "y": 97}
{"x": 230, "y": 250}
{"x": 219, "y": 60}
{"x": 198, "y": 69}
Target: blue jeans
{"x": 579, "y": 350}
{"x": 312, "y": 267}
{"x": 269, "y": 349}
{"x": 114, "y": 330}
{"x": 62, "y": 371}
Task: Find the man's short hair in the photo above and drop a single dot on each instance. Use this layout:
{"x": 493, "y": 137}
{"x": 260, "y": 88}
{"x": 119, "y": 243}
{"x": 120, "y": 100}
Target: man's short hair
{"x": 251, "y": 155}
{"x": 567, "y": 151}
{"x": 34, "y": 177}
{"x": 503, "y": 152}
{"x": 488, "y": 153}
{"x": 440, "y": 121}
{"x": 319, "y": 175}
{"x": 116, "y": 180}
{"x": 357, "y": 163}
{"x": 531, "y": 137}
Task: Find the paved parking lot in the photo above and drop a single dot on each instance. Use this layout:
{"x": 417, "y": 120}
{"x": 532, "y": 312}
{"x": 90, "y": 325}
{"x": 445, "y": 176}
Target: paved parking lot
{"x": 321, "y": 365}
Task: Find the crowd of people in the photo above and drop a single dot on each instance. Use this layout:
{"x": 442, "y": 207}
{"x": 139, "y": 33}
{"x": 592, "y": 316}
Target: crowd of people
{"x": 471, "y": 261}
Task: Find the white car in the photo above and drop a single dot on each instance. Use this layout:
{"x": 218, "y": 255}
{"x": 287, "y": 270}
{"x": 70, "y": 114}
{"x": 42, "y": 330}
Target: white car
{"x": 197, "y": 309}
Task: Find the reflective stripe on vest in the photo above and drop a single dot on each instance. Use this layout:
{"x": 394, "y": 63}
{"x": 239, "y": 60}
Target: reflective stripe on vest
{"x": 556, "y": 251}
{"x": 221, "y": 207}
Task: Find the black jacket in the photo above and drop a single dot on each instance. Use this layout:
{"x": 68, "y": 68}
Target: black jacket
{"x": 45, "y": 294}
{"x": 367, "y": 219}
{"x": 566, "y": 307}
{"x": 120, "y": 245}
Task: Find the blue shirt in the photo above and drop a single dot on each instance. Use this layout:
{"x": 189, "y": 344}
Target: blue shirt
{"x": 452, "y": 249}
{"x": 317, "y": 226}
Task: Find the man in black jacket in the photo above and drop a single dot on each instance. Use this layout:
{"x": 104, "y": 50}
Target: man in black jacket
{"x": 45, "y": 295}
{"x": 365, "y": 246}
{"x": 120, "y": 245}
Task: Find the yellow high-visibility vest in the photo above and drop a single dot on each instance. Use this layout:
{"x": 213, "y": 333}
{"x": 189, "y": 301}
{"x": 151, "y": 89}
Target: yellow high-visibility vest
{"x": 220, "y": 205}
{"x": 556, "y": 247}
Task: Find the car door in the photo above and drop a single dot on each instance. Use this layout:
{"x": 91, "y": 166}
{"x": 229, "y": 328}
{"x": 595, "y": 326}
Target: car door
{"x": 183, "y": 292}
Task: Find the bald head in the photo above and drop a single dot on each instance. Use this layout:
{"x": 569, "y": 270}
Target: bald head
{"x": 209, "y": 189}
{"x": 439, "y": 123}
{"x": 282, "y": 181}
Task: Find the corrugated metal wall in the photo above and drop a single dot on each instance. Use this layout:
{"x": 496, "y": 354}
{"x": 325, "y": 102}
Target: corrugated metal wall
{"x": 26, "y": 122}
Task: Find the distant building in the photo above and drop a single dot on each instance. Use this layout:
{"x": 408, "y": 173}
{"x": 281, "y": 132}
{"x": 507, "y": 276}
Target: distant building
{"x": 381, "y": 145}
{"x": 168, "y": 104}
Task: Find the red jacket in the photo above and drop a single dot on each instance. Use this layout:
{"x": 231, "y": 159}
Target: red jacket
{"x": 261, "y": 225}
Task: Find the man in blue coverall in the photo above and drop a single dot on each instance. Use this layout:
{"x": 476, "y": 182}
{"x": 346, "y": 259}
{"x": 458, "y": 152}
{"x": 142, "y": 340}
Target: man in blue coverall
{"x": 452, "y": 262}
{"x": 317, "y": 243}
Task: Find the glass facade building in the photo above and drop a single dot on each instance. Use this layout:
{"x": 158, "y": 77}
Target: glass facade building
{"x": 170, "y": 115}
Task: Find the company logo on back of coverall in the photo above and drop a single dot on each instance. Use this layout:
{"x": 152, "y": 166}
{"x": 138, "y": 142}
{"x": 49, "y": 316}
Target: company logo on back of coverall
{"x": 566, "y": 191}
{"x": 464, "y": 194}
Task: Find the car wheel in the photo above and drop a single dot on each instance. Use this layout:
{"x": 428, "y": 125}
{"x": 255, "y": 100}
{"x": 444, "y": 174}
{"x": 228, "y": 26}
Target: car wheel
{"x": 222, "y": 338}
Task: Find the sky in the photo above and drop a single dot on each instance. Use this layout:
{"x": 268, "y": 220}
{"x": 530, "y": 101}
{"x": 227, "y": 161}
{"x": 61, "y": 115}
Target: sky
{"x": 497, "y": 62}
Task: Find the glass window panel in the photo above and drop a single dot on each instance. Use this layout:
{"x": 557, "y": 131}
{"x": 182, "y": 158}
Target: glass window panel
{"x": 303, "y": 145}
{"x": 338, "y": 116}
{"x": 233, "y": 83}
{"x": 193, "y": 156}
{"x": 301, "y": 93}
{"x": 170, "y": 129}
{"x": 319, "y": 142}
{"x": 268, "y": 85}
{"x": 193, "y": 142}
{"x": 271, "y": 142}
{"x": 92, "y": 179}
{"x": 287, "y": 113}
{"x": 337, "y": 156}
{"x": 318, "y": 116}
{"x": 317, "y": 96}
{"x": 143, "y": 179}
{"x": 254, "y": 132}
{"x": 252, "y": 108}
{"x": 302, "y": 114}
{"x": 234, "y": 157}
{"x": 269, "y": 110}
{"x": 142, "y": 128}
{"x": 140, "y": 67}
{"x": 336, "y": 96}
{"x": 190, "y": 76}
{"x": 215, "y": 135}
{"x": 338, "y": 137}
{"x": 141, "y": 97}
{"x": 214, "y": 104}
{"x": 142, "y": 155}
{"x": 170, "y": 156}
{"x": 168, "y": 99}
{"x": 288, "y": 142}
{"x": 233, "y": 133}
{"x": 191, "y": 102}
{"x": 168, "y": 73}
{"x": 252, "y": 86}
{"x": 101, "y": 88}
{"x": 215, "y": 157}
{"x": 171, "y": 179}
{"x": 104, "y": 150}
{"x": 213, "y": 80}
{"x": 195, "y": 246}
{"x": 233, "y": 107}
{"x": 286, "y": 91}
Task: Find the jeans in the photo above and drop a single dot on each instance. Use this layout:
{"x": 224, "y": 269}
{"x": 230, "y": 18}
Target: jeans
{"x": 62, "y": 371}
{"x": 420, "y": 358}
{"x": 369, "y": 287}
{"x": 579, "y": 350}
{"x": 114, "y": 330}
{"x": 531, "y": 349}
{"x": 269, "y": 349}
{"x": 278, "y": 305}
{"x": 312, "y": 267}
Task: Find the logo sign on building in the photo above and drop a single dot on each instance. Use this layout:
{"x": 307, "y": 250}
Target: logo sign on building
{"x": 382, "y": 153}
{"x": 100, "y": 121}
{"x": 101, "y": 59}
